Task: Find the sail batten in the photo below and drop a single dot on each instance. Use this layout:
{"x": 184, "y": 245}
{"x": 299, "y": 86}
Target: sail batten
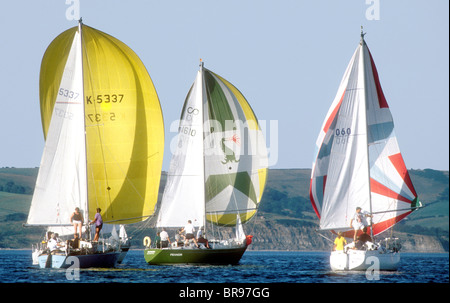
{"x": 358, "y": 162}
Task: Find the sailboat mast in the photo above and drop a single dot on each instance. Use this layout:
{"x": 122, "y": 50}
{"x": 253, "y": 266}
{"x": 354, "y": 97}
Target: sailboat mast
{"x": 80, "y": 23}
{"x": 203, "y": 143}
{"x": 367, "y": 127}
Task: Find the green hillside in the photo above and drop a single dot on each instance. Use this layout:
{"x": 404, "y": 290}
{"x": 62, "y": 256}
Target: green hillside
{"x": 285, "y": 203}
{"x": 18, "y": 180}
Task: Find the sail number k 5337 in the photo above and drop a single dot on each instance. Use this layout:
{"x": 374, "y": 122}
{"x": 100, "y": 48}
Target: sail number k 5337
{"x": 104, "y": 98}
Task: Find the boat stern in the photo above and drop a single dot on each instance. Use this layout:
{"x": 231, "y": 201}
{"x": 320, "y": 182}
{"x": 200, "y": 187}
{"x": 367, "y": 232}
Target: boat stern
{"x": 364, "y": 260}
{"x": 338, "y": 261}
{"x": 52, "y": 260}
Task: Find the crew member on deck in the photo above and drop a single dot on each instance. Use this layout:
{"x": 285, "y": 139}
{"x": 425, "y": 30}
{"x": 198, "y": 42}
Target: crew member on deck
{"x": 189, "y": 229}
{"x": 201, "y": 239}
{"x": 359, "y": 221}
{"x": 165, "y": 240}
{"x": 362, "y": 239}
{"x": 98, "y": 224}
{"x": 77, "y": 220}
{"x": 339, "y": 242}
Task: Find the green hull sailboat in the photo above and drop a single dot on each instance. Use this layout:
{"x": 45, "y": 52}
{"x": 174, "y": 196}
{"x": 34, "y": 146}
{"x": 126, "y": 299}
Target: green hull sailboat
{"x": 216, "y": 177}
{"x": 220, "y": 256}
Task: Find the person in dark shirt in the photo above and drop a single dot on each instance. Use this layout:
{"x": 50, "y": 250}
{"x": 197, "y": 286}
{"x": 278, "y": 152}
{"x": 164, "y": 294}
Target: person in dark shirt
{"x": 75, "y": 243}
{"x": 158, "y": 240}
{"x": 362, "y": 239}
{"x": 98, "y": 224}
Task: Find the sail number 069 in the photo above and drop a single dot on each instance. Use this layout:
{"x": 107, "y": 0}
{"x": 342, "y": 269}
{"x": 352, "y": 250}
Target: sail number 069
{"x": 342, "y": 135}
{"x": 343, "y": 132}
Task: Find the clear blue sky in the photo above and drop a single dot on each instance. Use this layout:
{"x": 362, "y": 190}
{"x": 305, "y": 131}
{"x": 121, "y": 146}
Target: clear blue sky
{"x": 286, "y": 57}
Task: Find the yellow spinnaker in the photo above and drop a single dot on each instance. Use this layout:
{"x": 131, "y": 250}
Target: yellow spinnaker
{"x": 124, "y": 123}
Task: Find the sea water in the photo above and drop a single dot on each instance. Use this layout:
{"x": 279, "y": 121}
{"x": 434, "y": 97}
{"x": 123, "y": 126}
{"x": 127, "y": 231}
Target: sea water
{"x": 261, "y": 276}
{"x": 254, "y": 267}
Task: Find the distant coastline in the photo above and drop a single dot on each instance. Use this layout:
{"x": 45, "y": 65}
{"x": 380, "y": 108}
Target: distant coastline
{"x": 285, "y": 220}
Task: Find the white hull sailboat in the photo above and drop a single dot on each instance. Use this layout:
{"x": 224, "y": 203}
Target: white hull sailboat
{"x": 217, "y": 174}
{"x": 358, "y": 164}
{"x": 104, "y": 134}
{"x": 361, "y": 260}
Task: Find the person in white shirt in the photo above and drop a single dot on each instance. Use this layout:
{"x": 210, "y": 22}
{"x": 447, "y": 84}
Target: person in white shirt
{"x": 52, "y": 244}
{"x": 359, "y": 221}
{"x": 189, "y": 229}
{"x": 165, "y": 240}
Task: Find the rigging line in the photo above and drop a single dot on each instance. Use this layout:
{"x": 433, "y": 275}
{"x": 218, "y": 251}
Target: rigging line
{"x": 127, "y": 219}
{"x": 80, "y": 29}
{"x": 326, "y": 238}
{"x": 230, "y": 210}
{"x": 362, "y": 60}
{"x": 141, "y": 227}
{"x": 400, "y": 209}
{"x": 99, "y": 131}
{"x": 123, "y": 171}
{"x": 216, "y": 230}
{"x": 147, "y": 224}
{"x": 202, "y": 126}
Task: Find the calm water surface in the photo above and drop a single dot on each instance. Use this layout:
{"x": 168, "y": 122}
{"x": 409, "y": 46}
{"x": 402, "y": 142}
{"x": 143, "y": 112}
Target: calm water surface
{"x": 254, "y": 267}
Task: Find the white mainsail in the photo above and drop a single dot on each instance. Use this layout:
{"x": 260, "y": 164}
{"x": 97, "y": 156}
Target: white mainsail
{"x": 348, "y": 163}
{"x": 184, "y": 194}
{"x": 61, "y": 182}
